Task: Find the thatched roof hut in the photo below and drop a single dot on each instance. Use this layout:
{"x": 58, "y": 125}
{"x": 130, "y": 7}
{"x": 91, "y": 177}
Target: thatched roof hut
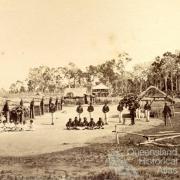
{"x": 157, "y": 99}
{"x": 156, "y": 94}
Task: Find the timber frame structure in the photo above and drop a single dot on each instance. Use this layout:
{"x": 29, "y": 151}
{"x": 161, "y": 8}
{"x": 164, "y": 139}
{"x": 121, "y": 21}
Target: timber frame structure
{"x": 155, "y": 97}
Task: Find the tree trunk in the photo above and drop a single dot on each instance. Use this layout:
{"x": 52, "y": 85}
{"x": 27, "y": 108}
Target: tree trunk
{"x": 165, "y": 83}
{"x": 176, "y": 83}
{"x": 171, "y": 82}
{"x": 140, "y": 86}
{"x": 74, "y": 83}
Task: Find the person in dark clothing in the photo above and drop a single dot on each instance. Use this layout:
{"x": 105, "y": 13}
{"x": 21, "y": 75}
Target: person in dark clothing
{"x": 90, "y": 109}
{"x": 85, "y": 122}
{"x": 120, "y": 109}
{"x": 132, "y": 110}
{"x": 75, "y": 123}
{"x": 167, "y": 114}
{"x": 79, "y": 110}
{"x": 138, "y": 109}
{"x": 21, "y": 103}
{"x": 52, "y": 109}
{"x": 69, "y": 124}
{"x": 91, "y": 124}
{"x": 6, "y": 111}
{"x": 85, "y": 99}
{"x": 91, "y": 99}
{"x": 50, "y": 101}
{"x": 100, "y": 124}
{"x": 80, "y": 123}
{"x": 105, "y": 110}
{"x": 42, "y": 106}
{"x": 56, "y": 103}
{"x": 32, "y": 109}
{"x": 147, "y": 108}
{"x": 19, "y": 111}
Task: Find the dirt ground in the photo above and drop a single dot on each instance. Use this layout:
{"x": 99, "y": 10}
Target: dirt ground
{"x": 46, "y": 138}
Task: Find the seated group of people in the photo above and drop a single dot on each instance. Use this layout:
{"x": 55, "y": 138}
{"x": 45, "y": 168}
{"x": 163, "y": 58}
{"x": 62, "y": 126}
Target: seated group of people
{"x": 15, "y": 126}
{"x": 76, "y": 123}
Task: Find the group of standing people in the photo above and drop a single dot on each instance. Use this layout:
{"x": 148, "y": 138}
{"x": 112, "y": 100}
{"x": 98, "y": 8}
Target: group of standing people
{"x": 53, "y": 106}
{"x": 133, "y": 107}
{"x": 90, "y": 109}
{"x": 134, "y": 111}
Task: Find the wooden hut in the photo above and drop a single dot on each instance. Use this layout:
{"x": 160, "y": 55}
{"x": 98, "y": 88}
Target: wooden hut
{"x": 100, "y": 90}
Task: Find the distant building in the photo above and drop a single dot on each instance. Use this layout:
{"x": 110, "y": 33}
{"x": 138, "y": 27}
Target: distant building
{"x": 100, "y": 90}
{"x": 75, "y": 92}
{"x": 77, "y": 95}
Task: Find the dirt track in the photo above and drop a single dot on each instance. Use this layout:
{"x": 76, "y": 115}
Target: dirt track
{"x": 47, "y": 138}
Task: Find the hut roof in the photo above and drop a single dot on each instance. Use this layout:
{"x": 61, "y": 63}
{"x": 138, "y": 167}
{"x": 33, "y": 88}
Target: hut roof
{"x": 154, "y": 92}
{"x": 100, "y": 86}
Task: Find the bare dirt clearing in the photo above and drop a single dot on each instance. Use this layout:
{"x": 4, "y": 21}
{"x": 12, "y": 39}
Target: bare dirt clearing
{"x": 47, "y": 138}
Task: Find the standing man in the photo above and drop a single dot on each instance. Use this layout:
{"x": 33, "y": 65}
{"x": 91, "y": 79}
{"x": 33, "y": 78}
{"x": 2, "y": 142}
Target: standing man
{"x": 120, "y": 109}
{"x": 32, "y": 109}
{"x": 79, "y": 110}
{"x": 132, "y": 110}
{"x": 90, "y": 109}
{"x": 138, "y": 110}
{"x": 52, "y": 109}
{"x": 167, "y": 114}
{"x": 50, "y": 101}
{"x": 91, "y": 99}
{"x": 42, "y": 106}
{"x": 85, "y": 99}
{"x": 147, "y": 108}
{"x": 6, "y": 111}
{"x": 21, "y": 111}
{"x": 21, "y": 103}
{"x": 105, "y": 110}
{"x": 56, "y": 103}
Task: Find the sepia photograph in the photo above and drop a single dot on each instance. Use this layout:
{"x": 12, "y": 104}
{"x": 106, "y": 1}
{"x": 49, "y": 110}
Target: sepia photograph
{"x": 90, "y": 90}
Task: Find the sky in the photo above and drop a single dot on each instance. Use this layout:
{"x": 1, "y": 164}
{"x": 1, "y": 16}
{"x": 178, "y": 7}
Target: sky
{"x": 56, "y": 32}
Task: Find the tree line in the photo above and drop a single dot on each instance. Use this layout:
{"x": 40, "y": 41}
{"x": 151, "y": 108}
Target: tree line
{"x": 163, "y": 72}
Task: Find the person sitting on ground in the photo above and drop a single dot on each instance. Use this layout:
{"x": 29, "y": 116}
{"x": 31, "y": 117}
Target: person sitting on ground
{"x": 69, "y": 124}
{"x": 1, "y": 126}
{"x": 18, "y": 126}
{"x": 100, "y": 124}
{"x": 31, "y": 127}
{"x": 80, "y": 123}
{"x": 91, "y": 124}
{"x": 75, "y": 123}
{"x": 4, "y": 125}
{"x": 85, "y": 122}
{"x": 10, "y": 126}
